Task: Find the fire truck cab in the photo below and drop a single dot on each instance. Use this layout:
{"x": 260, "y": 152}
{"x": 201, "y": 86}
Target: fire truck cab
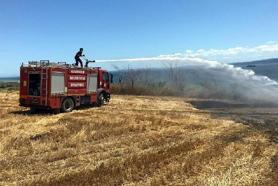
{"x": 62, "y": 87}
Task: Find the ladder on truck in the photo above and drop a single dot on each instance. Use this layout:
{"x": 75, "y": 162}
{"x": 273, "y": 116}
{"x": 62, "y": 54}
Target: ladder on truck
{"x": 44, "y": 85}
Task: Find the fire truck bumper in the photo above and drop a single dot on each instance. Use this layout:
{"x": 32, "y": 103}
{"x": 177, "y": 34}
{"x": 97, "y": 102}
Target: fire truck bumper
{"x": 38, "y": 102}
{"x": 30, "y": 102}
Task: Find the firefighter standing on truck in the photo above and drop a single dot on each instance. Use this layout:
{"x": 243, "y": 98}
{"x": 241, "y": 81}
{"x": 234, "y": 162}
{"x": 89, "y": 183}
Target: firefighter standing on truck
{"x": 77, "y": 57}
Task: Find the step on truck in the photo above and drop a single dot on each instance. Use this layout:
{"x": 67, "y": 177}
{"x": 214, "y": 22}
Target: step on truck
{"x": 62, "y": 87}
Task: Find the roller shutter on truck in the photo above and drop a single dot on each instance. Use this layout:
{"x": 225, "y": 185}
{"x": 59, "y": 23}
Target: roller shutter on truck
{"x": 92, "y": 83}
{"x": 57, "y": 83}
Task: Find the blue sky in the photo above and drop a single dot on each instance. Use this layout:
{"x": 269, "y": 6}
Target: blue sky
{"x": 113, "y": 29}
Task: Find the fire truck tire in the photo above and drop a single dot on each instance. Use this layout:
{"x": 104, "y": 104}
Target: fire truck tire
{"x": 56, "y": 111}
{"x": 100, "y": 100}
{"x": 33, "y": 110}
{"x": 67, "y": 105}
{"x": 107, "y": 98}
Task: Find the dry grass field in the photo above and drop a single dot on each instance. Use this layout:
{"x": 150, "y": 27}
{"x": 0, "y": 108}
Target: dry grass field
{"x": 134, "y": 140}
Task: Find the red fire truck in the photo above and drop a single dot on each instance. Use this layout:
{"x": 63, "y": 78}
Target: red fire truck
{"x": 62, "y": 87}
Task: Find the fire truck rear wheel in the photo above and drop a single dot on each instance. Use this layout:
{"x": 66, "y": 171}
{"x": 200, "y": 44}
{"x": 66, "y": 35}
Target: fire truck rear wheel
{"x": 67, "y": 105}
{"x": 33, "y": 110}
{"x": 56, "y": 111}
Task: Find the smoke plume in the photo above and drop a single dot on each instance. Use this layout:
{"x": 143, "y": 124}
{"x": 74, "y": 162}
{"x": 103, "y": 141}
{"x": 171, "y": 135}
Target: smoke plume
{"x": 198, "y": 77}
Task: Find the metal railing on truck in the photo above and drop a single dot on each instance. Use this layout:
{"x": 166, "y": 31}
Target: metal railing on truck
{"x": 46, "y": 63}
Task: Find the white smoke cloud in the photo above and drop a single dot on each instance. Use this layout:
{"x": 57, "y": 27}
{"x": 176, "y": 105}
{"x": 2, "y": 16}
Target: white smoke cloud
{"x": 205, "y": 58}
{"x": 182, "y": 60}
{"x": 260, "y": 87}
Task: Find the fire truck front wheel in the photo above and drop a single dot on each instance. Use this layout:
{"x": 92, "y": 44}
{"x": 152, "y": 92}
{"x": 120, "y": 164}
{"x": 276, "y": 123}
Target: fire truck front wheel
{"x": 100, "y": 100}
{"x": 67, "y": 105}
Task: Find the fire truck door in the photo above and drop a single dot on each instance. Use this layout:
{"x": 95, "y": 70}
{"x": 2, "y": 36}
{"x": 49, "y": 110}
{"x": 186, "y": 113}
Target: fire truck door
{"x": 105, "y": 78}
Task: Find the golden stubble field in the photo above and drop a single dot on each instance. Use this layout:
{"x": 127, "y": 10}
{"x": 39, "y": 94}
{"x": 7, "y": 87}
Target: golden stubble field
{"x": 134, "y": 140}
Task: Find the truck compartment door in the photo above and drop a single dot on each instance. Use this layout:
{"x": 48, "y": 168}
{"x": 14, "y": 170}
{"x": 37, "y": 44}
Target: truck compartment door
{"x": 57, "y": 83}
{"x": 92, "y": 83}
{"x": 34, "y": 84}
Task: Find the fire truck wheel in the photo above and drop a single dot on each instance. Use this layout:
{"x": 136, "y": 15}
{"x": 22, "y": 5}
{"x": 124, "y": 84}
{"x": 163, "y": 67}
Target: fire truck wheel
{"x": 67, "y": 105}
{"x": 33, "y": 110}
{"x": 100, "y": 100}
{"x": 56, "y": 111}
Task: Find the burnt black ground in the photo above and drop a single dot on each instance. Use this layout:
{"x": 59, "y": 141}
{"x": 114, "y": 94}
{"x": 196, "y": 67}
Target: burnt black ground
{"x": 262, "y": 117}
